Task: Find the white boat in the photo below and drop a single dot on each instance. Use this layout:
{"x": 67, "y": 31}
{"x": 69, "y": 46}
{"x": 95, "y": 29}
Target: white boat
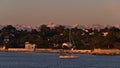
{"x": 68, "y": 57}
{"x": 69, "y": 45}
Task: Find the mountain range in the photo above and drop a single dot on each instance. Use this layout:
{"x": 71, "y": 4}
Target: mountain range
{"x": 52, "y": 25}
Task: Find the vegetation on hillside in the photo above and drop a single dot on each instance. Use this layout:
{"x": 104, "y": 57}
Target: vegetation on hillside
{"x": 45, "y": 37}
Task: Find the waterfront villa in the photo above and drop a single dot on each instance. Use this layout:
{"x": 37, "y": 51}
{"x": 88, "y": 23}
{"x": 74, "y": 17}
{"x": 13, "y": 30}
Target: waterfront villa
{"x": 29, "y": 45}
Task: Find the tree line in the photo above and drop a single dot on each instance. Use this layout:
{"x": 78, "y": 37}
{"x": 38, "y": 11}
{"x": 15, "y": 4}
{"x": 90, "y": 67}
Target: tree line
{"x": 46, "y": 37}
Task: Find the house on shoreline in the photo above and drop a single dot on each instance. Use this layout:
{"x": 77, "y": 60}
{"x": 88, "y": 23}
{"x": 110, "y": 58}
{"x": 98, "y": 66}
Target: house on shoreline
{"x": 29, "y": 45}
{"x": 28, "y": 48}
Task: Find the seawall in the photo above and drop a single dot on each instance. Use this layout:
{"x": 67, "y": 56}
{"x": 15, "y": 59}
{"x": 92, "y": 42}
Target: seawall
{"x": 39, "y": 50}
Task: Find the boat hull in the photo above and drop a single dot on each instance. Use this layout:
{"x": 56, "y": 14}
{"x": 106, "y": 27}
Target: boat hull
{"x": 68, "y": 57}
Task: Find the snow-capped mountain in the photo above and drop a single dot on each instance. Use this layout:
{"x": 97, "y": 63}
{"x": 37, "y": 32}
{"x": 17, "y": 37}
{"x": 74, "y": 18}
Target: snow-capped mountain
{"x": 1, "y": 27}
{"x": 52, "y": 26}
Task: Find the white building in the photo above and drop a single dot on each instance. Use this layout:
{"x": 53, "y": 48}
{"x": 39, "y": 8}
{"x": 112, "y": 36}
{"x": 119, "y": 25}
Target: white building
{"x": 29, "y": 45}
{"x": 105, "y": 33}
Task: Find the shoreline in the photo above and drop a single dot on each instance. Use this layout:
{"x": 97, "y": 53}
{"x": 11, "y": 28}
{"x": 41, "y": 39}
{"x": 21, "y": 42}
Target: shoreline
{"x": 91, "y": 52}
{"x": 40, "y": 50}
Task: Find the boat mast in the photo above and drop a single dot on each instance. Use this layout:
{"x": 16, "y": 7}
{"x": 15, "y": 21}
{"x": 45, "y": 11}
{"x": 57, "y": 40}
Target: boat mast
{"x": 71, "y": 38}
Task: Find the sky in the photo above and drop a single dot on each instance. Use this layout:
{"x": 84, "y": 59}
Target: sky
{"x": 37, "y": 12}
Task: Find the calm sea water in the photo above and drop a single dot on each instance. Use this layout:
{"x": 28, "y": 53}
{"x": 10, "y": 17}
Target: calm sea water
{"x": 49, "y": 60}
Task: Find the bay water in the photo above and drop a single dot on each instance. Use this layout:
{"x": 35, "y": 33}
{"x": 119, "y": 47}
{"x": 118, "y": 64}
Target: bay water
{"x": 51, "y": 60}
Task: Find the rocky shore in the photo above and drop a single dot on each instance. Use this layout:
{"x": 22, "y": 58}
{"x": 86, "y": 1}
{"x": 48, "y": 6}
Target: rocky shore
{"x": 105, "y": 52}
